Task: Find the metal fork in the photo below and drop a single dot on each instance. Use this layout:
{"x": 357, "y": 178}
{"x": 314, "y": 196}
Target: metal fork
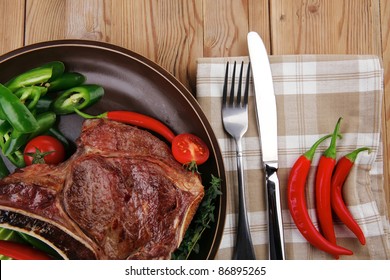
{"x": 235, "y": 122}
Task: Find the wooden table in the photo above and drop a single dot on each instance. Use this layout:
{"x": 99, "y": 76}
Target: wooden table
{"x": 174, "y": 33}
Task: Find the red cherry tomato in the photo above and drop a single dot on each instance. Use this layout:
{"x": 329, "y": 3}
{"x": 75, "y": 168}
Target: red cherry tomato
{"x": 188, "y": 148}
{"x": 44, "y": 149}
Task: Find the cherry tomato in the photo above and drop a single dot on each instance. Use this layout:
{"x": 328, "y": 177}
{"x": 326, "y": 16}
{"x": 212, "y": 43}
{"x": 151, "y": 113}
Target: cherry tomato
{"x": 44, "y": 149}
{"x": 188, "y": 148}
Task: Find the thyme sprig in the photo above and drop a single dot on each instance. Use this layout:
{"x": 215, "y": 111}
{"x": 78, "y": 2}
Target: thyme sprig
{"x": 202, "y": 220}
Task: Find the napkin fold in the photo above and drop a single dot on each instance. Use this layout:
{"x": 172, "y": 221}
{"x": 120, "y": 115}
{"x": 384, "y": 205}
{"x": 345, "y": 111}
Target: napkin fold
{"x": 312, "y": 92}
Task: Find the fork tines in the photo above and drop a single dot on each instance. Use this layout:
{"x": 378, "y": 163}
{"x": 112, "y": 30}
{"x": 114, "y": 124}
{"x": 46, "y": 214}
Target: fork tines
{"x": 238, "y": 100}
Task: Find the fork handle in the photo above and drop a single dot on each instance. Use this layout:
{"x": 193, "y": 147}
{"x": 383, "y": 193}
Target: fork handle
{"x": 275, "y": 224}
{"x": 244, "y": 247}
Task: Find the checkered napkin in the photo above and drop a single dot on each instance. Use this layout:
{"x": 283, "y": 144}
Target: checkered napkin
{"x": 312, "y": 92}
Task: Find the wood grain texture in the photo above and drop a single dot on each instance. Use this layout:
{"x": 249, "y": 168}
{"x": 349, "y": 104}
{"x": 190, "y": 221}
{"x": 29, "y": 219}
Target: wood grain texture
{"x": 167, "y": 32}
{"x": 227, "y": 22}
{"x": 332, "y": 26}
{"x": 225, "y": 28}
{"x": 11, "y": 25}
{"x": 65, "y": 19}
{"x": 45, "y": 20}
{"x": 385, "y": 32}
{"x": 259, "y": 20}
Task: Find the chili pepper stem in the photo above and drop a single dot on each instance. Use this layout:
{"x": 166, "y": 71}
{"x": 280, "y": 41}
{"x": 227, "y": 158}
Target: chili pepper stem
{"x": 309, "y": 154}
{"x": 331, "y": 151}
{"x": 353, "y": 155}
{"x": 88, "y": 116}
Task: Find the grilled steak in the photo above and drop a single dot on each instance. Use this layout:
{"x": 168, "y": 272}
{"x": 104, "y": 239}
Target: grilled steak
{"x": 120, "y": 196}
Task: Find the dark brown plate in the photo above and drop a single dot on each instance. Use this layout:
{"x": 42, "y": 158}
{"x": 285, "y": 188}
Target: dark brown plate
{"x": 131, "y": 82}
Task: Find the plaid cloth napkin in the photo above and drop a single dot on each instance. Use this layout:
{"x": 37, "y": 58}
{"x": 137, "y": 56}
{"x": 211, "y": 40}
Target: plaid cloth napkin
{"x": 312, "y": 92}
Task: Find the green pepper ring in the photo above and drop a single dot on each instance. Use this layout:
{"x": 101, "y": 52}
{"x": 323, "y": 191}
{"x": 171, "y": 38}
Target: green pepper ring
{"x": 77, "y": 97}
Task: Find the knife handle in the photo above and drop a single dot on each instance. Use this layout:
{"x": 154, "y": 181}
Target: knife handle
{"x": 275, "y": 223}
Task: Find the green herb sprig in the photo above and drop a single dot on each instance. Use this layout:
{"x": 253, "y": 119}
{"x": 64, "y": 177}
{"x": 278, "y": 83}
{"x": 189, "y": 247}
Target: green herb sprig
{"x": 203, "y": 217}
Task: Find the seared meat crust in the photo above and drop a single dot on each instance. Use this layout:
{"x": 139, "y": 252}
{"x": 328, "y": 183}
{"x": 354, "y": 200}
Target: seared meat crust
{"x": 122, "y": 195}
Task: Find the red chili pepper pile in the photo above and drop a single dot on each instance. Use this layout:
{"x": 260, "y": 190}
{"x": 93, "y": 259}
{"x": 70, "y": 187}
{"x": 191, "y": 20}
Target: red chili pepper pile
{"x": 330, "y": 177}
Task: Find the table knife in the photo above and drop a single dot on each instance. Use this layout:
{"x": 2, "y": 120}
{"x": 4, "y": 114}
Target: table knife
{"x": 266, "y": 115}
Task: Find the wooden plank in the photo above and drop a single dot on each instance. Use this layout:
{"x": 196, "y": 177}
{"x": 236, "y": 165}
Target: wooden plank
{"x": 259, "y": 20}
{"x": 11, "y": 25}
{"x": 385, "y": 25}
{"x": 59, "y": 19}
{"x": 225, "y": 28}
{"x": 332, "y": 26}
{"x": 45, "y": 20}
{"x": 167, "y": 32}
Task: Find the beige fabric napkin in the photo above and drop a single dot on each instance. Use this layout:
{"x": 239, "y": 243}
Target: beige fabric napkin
{"x": 312, "y": 92}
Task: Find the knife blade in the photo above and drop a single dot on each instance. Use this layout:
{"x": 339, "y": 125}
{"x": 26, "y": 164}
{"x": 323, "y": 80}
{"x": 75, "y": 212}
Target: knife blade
{"x": 266, "y": 116}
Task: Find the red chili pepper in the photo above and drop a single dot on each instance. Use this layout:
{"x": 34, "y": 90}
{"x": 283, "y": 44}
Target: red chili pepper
{"x": 136, "y": 119}
{"x": 340, "y": 174}
{"x": 322, "y": 187}
{"x": 20, "y": 251}
{"x": 297, "y": 203}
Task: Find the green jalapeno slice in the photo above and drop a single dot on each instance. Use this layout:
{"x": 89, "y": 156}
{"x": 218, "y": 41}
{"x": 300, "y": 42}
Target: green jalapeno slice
{"x": 17, "y": 159}
{"x": 17, "y": 140}
{"x": 43, "y": 104}
{"x": 5, "y": 131}
{"x": 37, "y": 76}
{"x": 32, "y": 77}
{"x": 58, "y": 68}
{"x": 30, "y": 95}
{"x": 79, "y": 97}
{"x": 15, "y": 112}
{"x": 66, "y": 81}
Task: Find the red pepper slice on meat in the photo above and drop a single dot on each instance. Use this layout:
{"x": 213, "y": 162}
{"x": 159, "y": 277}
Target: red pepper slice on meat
{"x": 341, "y": 172}
{"x": 135, "y": 119}
{"x": 187, "y": 148}
{"x": 297, "y": 203}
